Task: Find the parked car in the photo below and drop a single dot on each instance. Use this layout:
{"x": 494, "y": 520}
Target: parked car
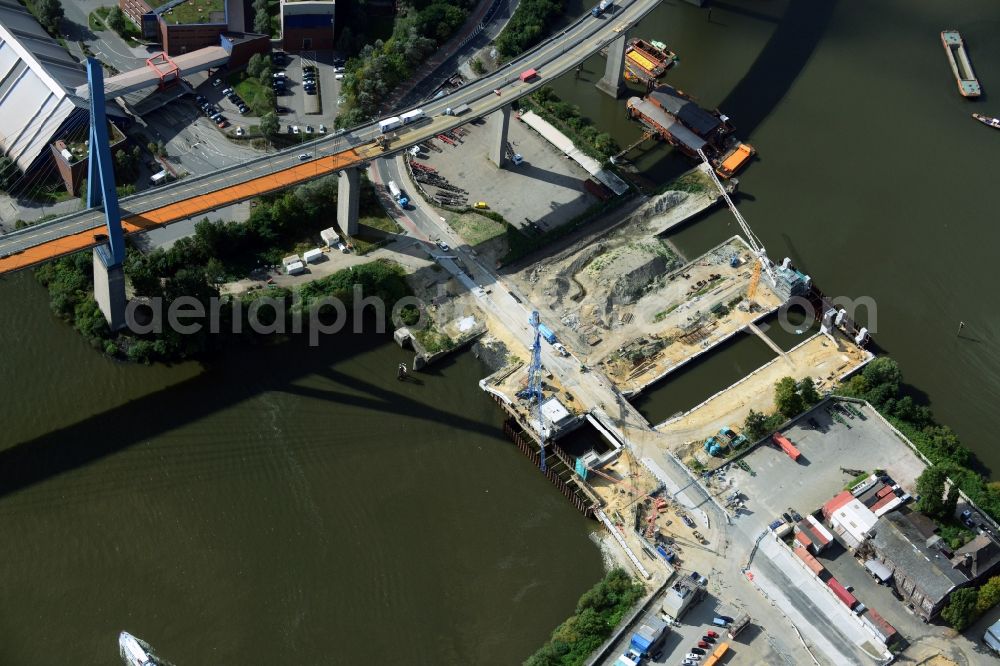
{"x": 309, "y": 129}
{"x": 310, "y": 91}
{"x": 692, "y": 656}
{"x": 322, "y": 129}
{"x": 244, "y": 110}
{"x": 290, "y": 129}
{"x": 227, "y": 91}
{"x": 697, "y": 650}
{"x": 707, "y": 638}
{"x": 216, "y": 83}
{"x": 200, "y": 99}
{"x": 310, "y": 68}
{"x": 703, "y": 644}
{"x": 338, "y": 77}
{"x": 240, "y": 131}
{"x": 711, "y": 634}
{"x": 282, "y": 110}
{"x": 441, "y": 244}
{"x": 295, "y": 129}
{"x": 223, "y": 124}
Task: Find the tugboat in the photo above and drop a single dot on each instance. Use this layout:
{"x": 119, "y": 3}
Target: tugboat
{"x": 986, "y": 120}
{"x": 133, "y": 651}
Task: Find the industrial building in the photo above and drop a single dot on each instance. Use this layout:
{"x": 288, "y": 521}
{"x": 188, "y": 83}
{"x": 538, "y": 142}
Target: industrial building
{"x": 182, "y": 26}
{"x": 924, "y": 570}
{"x": 680, "y": 596}
{"x": 308, "y": 25}
{"x": 39, "y": 102}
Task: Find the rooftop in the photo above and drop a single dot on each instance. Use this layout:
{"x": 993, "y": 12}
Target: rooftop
{"x": 188, "y": 12}
{"x": 689, "y": 113}
{"x": 900, "y": 540}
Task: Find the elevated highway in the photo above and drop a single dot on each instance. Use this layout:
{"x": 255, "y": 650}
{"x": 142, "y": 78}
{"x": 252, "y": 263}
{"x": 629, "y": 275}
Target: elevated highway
{"x": 330, "y": 154}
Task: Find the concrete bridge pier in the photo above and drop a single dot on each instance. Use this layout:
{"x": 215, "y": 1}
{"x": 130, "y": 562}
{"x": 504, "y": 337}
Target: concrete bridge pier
{"x": 348, "y": 198}
{"x": 501, "y": 120}
{"x": 613, "y": 81}
{"x": 109, "y": 287}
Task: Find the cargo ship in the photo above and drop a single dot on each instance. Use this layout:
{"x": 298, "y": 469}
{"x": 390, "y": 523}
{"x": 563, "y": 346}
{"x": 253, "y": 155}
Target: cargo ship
{"x": 652, "y": 59}
{"x": 680, "y": 121}
{"x": 968, "y": 84}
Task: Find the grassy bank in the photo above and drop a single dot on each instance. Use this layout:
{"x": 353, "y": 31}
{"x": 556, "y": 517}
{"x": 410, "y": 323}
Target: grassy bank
{"x": 379, "y": 67}
{"x": 528, "y": 26}
{"x": 597, "y": 614}
{"x": 881, "y": 384}
{"x": 568, "y": 119}
{"x": 196, "y": 265}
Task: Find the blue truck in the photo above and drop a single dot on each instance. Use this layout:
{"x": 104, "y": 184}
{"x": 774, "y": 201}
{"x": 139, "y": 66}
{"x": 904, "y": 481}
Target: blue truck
{"x": 549, "y": 336}
{"x": 600, "y": 9}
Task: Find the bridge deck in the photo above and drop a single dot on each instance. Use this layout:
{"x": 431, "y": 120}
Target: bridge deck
{"x": 182, "y": 210}
{"x": 143, "y": 77}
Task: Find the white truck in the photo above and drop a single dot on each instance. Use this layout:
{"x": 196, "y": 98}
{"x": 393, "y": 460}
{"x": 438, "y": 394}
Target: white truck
{"x": 389, "y": 124}
{"x": 411, "y": 116}
{"x": 158, "y": 178}
{"x": 398, "y": 194}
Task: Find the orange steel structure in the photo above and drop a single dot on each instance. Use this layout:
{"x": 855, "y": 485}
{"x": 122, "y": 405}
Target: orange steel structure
{"x": 181, "y": 210}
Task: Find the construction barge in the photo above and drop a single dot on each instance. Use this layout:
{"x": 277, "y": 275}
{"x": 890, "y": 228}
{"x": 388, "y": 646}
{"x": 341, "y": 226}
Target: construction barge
{"x": 968, "y": 84}
{"x": 677, "y": 119}
{"x": 645, "y": 62}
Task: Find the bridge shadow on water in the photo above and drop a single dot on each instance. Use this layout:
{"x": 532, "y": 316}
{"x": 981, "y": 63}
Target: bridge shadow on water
{"x": 235, "y": 376}
{"x": 778, "y": 64}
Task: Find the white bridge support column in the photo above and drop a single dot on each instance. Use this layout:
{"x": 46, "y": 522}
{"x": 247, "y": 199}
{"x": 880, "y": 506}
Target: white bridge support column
{"x": 613, "y": 81}
{"x": 109, "y": 288}
{"x": 501, "y": 120}
{"x": 348, "y": 198}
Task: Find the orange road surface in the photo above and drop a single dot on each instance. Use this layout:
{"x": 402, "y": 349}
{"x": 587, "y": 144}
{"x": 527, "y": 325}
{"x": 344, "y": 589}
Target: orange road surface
{"x": 182, "y": 210}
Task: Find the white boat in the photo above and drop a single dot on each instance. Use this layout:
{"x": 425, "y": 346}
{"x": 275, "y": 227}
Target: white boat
{"x": 132, "y": 651}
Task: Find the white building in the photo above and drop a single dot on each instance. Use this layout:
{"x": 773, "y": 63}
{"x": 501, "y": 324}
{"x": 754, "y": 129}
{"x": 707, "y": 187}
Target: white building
{"x": 852, "y": 522}
{"x": 38, "y": 78}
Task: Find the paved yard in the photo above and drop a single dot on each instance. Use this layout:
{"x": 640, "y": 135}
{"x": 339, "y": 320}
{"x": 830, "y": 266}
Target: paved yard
{"x": 546, "y": 189}
{"x": 858, "y": 443}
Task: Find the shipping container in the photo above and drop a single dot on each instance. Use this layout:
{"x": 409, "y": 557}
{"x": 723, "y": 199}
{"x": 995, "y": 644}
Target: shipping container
{"x": 296, "y": 268}
{"x": 820, "y": 531}
{"x": 786, "y": 446}
{"x": 811, "y": 562}
{"x": 849, "y": 599}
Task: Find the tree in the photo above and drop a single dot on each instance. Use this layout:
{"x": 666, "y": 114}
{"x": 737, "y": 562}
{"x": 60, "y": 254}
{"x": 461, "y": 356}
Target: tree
{"x": 807, "y": 389}
{"x": 116, "y": 21}
{"x": 989, "y": 595}
{"x": 786, "y": 397}
{"x": 9, "y": 173}
{"x": 477, "y": 66}
{"x": 269, "y": 124}
{"x": 930, "y": 486}
{"x": 961, "y": 609}
{"x": 754, "y": 427}
{"x": 256, "y": 65}
{"x": 262, "y": 22}
{"x": 50, "y": 14}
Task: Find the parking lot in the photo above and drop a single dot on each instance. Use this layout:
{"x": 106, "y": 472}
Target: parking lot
{"x": 546, "y": 188}
{"x": 749, "y": 647}
{"x": 853, "y": 443}
{"x": 304, "y": 109}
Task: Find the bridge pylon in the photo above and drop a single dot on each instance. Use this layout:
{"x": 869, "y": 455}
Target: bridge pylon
{"x": 501, "y": 121}
{"x": 613, "y": 81}
{"x": 109, "y": 272}
{"x": 348, "y": 200}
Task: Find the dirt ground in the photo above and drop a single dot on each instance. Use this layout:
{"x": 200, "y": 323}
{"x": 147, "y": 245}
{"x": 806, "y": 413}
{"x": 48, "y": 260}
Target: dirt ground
{"x": 818, "y": 357}
{"x": 637, "y": 311}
